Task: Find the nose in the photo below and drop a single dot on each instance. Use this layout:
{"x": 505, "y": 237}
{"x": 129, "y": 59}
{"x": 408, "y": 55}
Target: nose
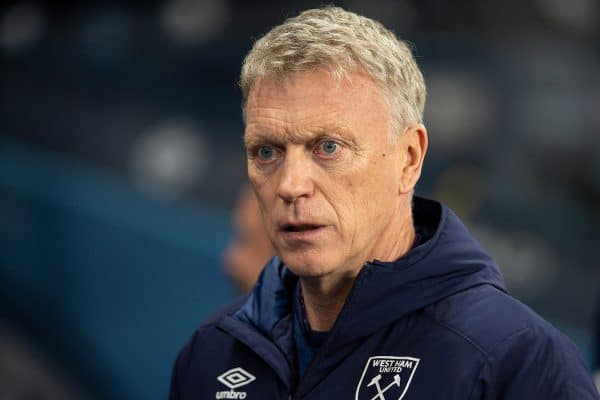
{"x": 296, "y": 178}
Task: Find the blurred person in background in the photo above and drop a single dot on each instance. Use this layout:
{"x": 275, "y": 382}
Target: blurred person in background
{"x": 375, "y": 293}
{"x": 250, "y": 248}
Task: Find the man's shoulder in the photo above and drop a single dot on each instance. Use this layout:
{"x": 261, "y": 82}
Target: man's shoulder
{"x": 228, "y": 309}
{"x": 525, "y": 355}
{"x": 203, "y": 332}
{"x": 491, "y": 320}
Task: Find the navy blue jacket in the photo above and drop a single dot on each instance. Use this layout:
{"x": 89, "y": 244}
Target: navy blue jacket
{"x": 597, "y": 346}
{"x": 435, "y": 324}
{"x": 597, "y": 336}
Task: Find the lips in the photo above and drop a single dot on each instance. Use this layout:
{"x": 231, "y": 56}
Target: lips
{"x": 302, "y": 233}
{"x": 299, "y": 227}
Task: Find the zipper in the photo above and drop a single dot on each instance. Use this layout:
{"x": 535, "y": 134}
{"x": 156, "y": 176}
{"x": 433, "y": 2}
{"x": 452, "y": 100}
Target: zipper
{"x": 320, "y": 354}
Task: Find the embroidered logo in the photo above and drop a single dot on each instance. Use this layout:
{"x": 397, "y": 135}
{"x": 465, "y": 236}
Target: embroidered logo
{"x": 386, "y": 378}
{"x": 233, "y": 379}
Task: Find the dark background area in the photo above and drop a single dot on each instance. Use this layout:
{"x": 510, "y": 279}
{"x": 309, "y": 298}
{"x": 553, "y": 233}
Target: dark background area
{"x": 121, "y": 157}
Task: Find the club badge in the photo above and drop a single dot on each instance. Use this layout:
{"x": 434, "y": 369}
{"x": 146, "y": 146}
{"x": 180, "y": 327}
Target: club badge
{"x": 386, "y": 378}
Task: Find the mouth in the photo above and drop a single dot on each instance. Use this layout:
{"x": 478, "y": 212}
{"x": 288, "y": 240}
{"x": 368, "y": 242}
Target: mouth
{"x": 301, "y": 227}
{"x": 302, "y": 234}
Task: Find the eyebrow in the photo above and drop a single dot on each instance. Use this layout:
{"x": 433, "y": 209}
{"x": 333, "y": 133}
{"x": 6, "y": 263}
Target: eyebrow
{"x": 334, "y": 131}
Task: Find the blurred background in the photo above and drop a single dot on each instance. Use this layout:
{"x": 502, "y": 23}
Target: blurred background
{"x": 121, "y": 159}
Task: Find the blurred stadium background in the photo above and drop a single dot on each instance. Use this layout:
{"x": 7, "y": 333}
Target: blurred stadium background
{"x": 121, "y": 157}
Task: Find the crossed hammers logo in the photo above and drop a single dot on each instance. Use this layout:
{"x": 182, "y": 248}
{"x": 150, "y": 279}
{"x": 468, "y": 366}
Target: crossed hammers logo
{"x": 380, "y": 392}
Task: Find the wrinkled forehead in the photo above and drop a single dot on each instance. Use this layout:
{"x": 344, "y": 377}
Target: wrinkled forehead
{"x": 337, "y": 72}
{"x": 279, "y": 72}
{"x": 321, "y": 87}
{"x": 310, "y": 104}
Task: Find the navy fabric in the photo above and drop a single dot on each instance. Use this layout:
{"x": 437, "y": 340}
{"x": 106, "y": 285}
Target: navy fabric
{"x": 305, "y": 351}
{"x": 435, "y": 324}
{"x": 597, "y": 336}
{"x": 306, "y": 340}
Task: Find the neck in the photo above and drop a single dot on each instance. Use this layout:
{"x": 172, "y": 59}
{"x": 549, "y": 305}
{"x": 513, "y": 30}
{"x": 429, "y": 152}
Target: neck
{"x": 325, "y": 296}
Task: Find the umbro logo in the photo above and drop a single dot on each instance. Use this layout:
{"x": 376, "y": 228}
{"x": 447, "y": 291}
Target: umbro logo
{"x": 233, "y": 379}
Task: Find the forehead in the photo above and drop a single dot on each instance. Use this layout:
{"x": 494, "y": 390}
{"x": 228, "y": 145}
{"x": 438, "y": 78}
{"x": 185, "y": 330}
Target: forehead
{"x": 313, "y": 100}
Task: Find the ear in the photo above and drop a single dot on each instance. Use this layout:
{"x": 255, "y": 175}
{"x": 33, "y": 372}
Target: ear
{"x": 413, "y": 144}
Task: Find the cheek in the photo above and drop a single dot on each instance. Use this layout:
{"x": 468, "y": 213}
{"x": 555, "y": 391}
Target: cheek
{"x": 256, "y": 180}
{"x": 369, "y": 197}
{"x": 265, "y": 188}
{"x": 348, "y": 203}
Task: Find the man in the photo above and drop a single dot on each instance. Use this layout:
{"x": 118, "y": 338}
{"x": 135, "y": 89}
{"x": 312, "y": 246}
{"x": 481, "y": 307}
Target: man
{"x": 375, "y": 294}
{"x": 250, "y": 248}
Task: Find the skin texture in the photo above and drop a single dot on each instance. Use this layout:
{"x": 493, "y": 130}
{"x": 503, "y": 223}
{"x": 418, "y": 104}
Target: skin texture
{"x": 250, "y": 248}
{"x": 320, "y": 157}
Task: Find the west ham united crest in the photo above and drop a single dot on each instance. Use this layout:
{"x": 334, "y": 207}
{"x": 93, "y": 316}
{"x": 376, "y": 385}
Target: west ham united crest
{"x": 386, "y": 378}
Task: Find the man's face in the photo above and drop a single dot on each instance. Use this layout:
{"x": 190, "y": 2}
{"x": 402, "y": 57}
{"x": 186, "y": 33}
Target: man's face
{"x": 326, "y": 174}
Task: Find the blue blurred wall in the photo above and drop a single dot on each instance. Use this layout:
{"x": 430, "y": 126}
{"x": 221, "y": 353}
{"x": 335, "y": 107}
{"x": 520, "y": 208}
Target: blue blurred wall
{"x": 111, "y": 282}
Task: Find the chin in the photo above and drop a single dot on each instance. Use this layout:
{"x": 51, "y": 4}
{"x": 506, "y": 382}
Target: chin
{"x": 306, "y": 266}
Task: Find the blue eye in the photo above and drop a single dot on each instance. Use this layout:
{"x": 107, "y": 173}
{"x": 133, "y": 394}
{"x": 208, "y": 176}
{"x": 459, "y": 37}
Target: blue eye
{"x": 265, "y": 152}
{"x": 329, "y": 147}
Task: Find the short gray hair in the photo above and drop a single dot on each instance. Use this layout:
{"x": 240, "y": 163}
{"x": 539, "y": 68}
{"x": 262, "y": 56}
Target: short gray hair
{"x": 342, "y": 42}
